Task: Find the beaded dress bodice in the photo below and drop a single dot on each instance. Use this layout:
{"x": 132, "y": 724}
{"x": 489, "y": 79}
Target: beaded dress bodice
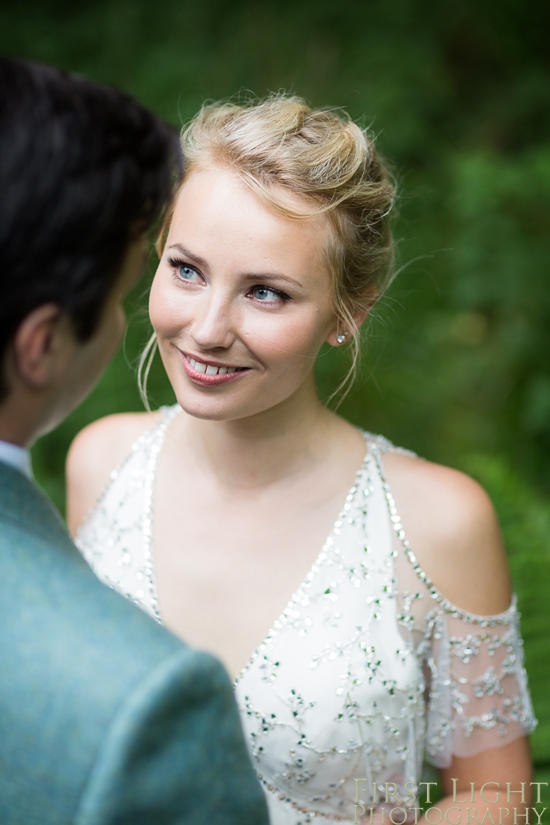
{"x": 368, "y": 670}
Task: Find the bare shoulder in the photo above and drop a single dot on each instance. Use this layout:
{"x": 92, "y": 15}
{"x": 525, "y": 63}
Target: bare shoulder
{"x": 453, "y": 530}
{"x": 97, "y": 450}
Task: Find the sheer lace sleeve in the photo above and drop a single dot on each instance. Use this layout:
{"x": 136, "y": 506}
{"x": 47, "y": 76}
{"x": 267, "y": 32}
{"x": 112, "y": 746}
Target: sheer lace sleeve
{"x": 476, "y": 686}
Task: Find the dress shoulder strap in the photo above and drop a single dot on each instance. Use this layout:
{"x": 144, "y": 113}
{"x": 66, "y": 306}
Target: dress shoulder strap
{"x": 116, "y": 536}
{"x": 149, "y": 443}
{"x": 378, "y": 445}
{"x": 384, "y": 445}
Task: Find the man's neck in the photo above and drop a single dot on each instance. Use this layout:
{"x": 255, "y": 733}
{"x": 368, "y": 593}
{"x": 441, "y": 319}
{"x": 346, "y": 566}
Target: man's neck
{"x": 22, "y": 417}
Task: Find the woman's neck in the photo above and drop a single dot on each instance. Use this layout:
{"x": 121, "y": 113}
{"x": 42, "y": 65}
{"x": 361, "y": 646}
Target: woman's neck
{"x": 261, "y": 450}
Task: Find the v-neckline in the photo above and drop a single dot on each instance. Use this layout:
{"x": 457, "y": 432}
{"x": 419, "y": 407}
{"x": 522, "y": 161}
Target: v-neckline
{"x": 148, "y": 534}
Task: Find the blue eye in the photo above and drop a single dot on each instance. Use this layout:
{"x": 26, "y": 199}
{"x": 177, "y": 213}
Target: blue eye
{"x": 268, "y": 296}
{"x": 186, "y": 273}
{"x": 263, "y": 294}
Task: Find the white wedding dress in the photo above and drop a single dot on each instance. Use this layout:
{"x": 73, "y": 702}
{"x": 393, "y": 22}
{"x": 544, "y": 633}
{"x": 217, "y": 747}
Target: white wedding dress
{"x": 369, "y": 669}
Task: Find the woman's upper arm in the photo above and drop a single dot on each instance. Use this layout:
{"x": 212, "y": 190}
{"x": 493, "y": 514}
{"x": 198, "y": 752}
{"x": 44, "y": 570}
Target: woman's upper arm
{"x": 454, "y": 533}
{"x": 97, "y": 450}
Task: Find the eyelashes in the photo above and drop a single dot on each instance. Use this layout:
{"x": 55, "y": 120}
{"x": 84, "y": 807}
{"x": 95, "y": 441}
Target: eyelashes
{"x": 281, "y": 296}
{"x": 258, "y": 291}
{"x": 177, "y": 264}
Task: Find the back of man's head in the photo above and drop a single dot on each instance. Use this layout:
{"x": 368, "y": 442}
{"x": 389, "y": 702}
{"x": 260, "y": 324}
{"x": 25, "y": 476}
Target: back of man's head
{"x": 83, "y": 170}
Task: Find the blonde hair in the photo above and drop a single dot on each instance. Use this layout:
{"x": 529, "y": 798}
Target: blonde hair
{"x": 280, "y": 145}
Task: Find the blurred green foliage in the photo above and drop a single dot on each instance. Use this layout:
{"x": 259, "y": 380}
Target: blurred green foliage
{"x": 456, "y": 362}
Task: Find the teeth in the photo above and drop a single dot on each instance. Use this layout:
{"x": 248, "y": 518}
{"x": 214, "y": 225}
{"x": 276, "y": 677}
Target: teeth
{"x": 209, "y": 369}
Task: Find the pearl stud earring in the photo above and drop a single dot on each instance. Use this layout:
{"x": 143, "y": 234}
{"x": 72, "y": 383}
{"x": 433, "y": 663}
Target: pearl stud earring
{"x": 341, "y": 338}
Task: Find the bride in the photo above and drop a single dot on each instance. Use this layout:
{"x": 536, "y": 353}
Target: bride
{"x": 371, "y": 585}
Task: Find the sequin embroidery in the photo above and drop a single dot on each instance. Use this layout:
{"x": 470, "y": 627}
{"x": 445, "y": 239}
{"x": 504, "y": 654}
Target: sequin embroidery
{"x": 368, "y": 670}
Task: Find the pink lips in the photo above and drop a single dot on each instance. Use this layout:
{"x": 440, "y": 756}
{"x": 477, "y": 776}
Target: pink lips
{"x": 205, "y": 380}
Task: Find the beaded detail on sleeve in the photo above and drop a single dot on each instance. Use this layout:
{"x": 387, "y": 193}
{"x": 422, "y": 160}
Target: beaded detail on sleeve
{"x": 477, "y": 685}
{"x": 368, "y": 669}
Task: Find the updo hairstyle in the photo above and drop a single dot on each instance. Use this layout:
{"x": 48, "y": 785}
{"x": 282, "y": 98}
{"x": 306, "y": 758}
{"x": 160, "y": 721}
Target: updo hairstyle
{"x": 280, "y": 144}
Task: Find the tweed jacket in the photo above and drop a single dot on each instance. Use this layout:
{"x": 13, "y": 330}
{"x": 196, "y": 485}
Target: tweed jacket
{"x": 105, "y": 717}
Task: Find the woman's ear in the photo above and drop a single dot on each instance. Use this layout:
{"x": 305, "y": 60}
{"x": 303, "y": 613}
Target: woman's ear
{"x": 343, "y": 331}
{"x": 41, "y": 346}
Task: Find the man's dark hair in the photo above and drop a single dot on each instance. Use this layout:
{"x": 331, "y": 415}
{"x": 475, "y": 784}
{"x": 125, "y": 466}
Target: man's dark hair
{"x": 83, "y": 170}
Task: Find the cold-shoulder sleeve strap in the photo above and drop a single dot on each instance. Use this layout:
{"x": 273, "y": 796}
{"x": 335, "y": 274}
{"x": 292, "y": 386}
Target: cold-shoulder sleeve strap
{"x": 478, "y": 696}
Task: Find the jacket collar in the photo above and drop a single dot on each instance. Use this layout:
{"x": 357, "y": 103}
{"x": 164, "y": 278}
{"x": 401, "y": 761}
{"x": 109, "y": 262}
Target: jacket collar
{"x": 16, "y": 456}
{"x": 22, "y": 502}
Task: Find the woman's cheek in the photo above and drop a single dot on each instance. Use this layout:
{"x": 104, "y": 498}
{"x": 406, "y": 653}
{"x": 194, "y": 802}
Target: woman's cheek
{"x": 300, "y": 339}
{"x": 163, "y": 311}
{"x": 295, "y": 333}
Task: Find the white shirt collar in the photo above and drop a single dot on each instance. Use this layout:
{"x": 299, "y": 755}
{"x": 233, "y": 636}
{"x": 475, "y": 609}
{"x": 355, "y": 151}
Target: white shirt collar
{"x": 17, "y": 457}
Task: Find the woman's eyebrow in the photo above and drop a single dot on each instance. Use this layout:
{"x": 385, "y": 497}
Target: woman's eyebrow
{"x": 248, "y": 276}
{"x": 196, "y": 258}
{"x": 270, "y": 276}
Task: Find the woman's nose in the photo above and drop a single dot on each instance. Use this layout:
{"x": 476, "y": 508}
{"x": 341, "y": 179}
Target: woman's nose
{"x": 212, "y": 326}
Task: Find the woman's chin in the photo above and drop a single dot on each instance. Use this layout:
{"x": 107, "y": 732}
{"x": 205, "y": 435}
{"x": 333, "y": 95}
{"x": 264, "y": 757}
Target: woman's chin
{"x": 232, "y": 403}
{"x": 210, "y": 409}
{"x": 204, "y": 415}
{"x": 222, "y": 409}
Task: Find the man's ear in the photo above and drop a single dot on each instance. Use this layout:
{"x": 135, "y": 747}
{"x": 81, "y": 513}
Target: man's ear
{"x": 41, "y": 345}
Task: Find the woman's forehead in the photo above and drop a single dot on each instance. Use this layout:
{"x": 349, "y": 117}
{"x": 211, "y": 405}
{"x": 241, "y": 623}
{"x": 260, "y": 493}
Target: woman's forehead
{"x": 217, "y": 212}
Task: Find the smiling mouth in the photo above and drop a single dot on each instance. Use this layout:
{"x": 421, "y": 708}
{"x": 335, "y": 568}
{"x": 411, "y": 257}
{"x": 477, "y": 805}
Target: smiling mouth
{"x": 210, "y": 375}
{"x": 211, "y": 369}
